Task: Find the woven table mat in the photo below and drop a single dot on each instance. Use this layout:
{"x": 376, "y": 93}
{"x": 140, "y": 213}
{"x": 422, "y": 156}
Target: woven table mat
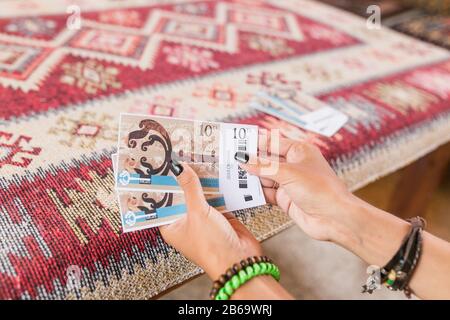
{"x": 62, "y": 90}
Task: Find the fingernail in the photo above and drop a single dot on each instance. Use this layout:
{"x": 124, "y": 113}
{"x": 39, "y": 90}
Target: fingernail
{"x": 242, "y": 157}
{"x": 176, "y": 167}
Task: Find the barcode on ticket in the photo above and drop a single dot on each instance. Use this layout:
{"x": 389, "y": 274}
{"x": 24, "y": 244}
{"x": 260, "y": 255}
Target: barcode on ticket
{"x": 240, "y": 189}
{"x": 242, "y": 174}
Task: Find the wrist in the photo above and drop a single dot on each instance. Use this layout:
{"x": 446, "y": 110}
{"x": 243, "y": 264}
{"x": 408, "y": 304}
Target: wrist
{"x": 372, "y": 234}
{"x": 217, "y": 265}
{"x": 348, "y": 217}
{"x": 257, "y": 278}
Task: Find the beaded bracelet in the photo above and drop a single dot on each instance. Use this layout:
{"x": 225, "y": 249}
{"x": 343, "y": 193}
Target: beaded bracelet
{"x": 240, "y": 273}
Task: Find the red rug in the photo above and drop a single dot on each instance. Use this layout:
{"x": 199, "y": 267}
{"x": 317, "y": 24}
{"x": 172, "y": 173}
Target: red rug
{"x": 61, "y": 91}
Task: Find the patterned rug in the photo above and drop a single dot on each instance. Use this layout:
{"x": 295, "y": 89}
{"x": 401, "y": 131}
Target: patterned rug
{"x": 61, "y": 92}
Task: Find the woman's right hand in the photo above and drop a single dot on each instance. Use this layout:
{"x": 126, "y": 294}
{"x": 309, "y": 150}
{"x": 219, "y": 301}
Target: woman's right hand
{"x": 317, "y": 200}
{"x": 297, "y": 178}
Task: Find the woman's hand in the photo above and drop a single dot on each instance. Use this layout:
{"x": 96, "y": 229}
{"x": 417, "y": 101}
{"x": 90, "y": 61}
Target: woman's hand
{"x": 212, "y": 240}
{"x": 296, "y": 177}
{"x": 216, "y": 241}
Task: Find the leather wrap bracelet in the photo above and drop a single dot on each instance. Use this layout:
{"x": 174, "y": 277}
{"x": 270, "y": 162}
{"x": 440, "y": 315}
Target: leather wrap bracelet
{"x": 395, "y": 275}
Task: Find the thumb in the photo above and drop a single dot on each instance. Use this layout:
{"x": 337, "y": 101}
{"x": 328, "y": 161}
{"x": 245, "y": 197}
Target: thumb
{"x": 190, "y": 184}
{"x": 263, "y": 167}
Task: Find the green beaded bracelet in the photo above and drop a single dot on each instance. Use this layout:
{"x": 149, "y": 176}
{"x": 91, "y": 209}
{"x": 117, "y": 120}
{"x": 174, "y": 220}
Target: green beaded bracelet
{"x": 245, "y": 275}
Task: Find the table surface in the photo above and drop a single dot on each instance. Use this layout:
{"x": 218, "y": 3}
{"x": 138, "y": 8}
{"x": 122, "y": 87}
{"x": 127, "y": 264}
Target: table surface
{"x": 62, "y": 91}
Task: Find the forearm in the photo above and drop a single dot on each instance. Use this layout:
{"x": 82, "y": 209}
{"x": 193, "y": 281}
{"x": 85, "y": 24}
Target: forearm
{"x": 375, "y": 236}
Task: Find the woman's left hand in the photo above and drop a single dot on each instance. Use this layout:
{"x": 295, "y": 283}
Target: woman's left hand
{"x": 212, "y": 240}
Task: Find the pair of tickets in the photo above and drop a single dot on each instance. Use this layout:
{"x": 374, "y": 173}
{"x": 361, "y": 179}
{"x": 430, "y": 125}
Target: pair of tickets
{"x": 302, "y": 110}
{"x": 147, "y": 189}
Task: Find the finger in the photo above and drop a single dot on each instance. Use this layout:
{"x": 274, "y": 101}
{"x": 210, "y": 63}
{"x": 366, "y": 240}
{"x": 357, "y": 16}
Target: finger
{"x": 169, "y": 231}
{"x": 164, "y": 230}
{"x": 267, "y": 183}
{"x": 190, "y": 184}
{"x": 263, "y": 141}
{"x": 271, "y": 195}
{"x": 264, "y": 168}
{"x": 284, "y": 201}
{"x": 271, "y": 143}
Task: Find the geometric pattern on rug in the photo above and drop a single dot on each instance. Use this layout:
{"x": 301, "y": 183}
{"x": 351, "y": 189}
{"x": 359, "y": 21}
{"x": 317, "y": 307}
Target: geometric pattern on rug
{"x": 62, "y": 92}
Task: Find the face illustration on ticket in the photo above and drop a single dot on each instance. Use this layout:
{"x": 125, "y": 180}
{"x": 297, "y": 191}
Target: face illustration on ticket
{"x": 142, "y": 210}
{"x": 147, "y": 145}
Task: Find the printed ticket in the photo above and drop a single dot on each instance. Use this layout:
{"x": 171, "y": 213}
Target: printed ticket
{"x": 306, "y": 112}
{"x": 142, "y": 210}
{"x": 148, "y": 191}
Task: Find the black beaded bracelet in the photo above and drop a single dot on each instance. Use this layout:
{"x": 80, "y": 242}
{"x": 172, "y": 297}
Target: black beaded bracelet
{"x": 395, "y": 275}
